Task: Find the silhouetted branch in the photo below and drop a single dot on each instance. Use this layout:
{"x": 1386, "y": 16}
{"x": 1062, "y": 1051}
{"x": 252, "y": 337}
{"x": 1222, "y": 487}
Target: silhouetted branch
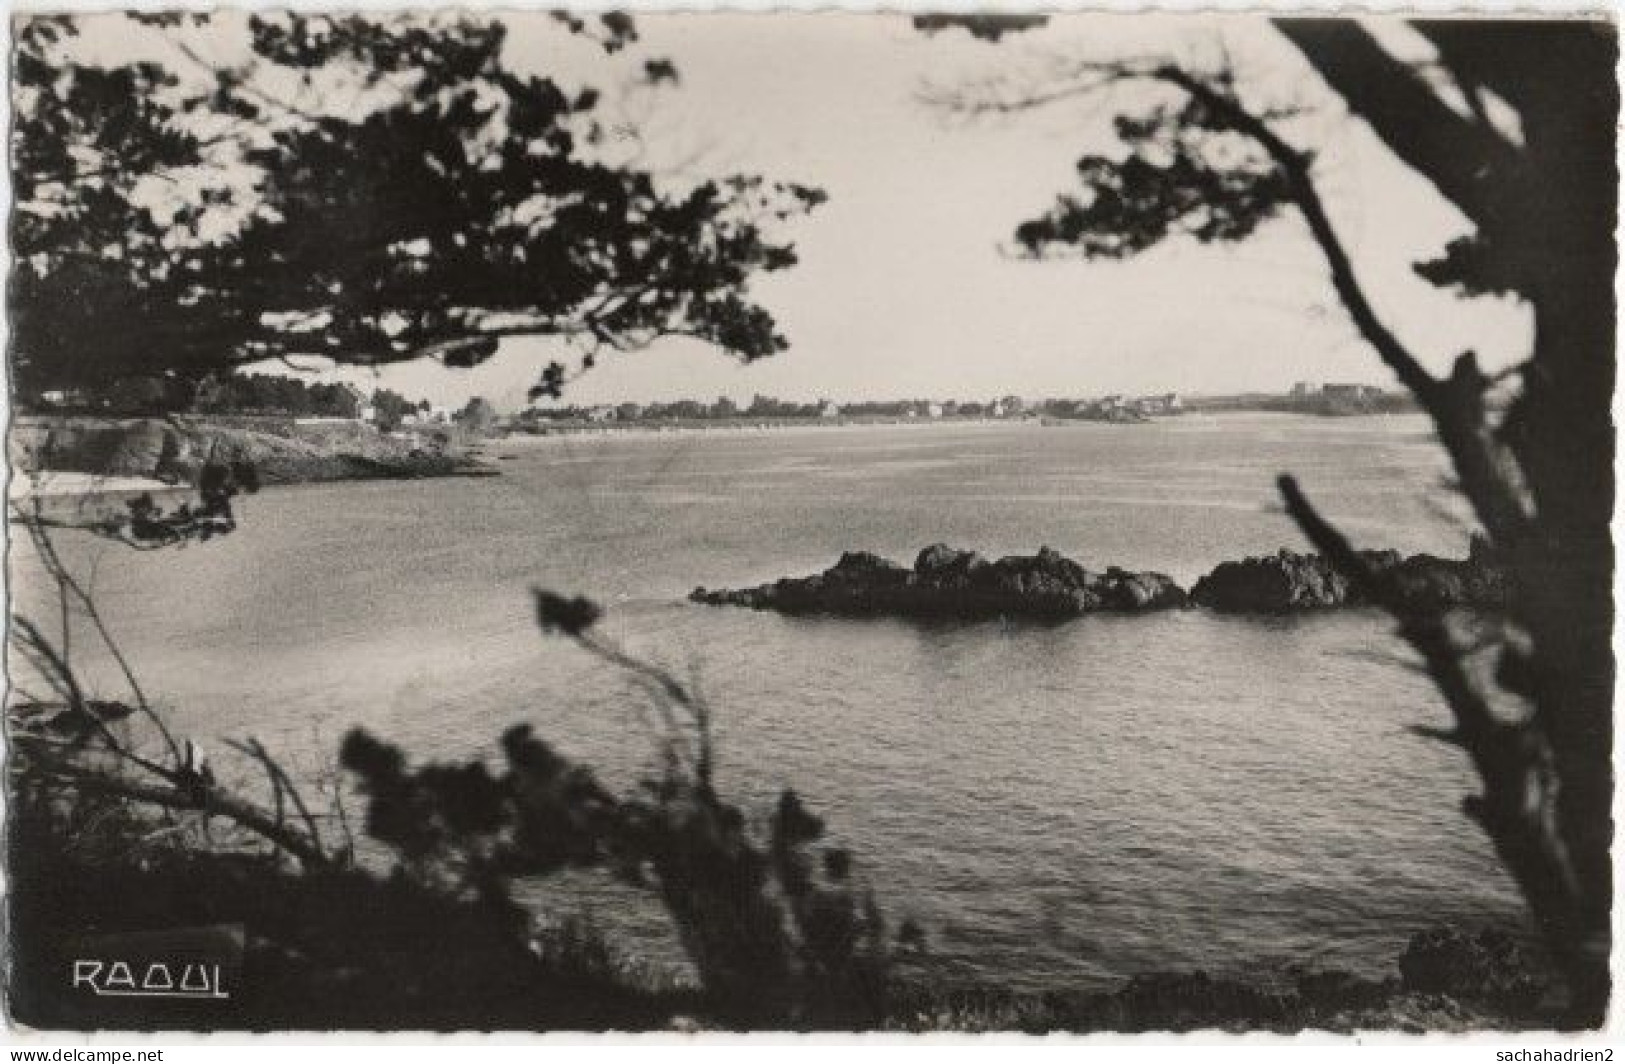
{"x": 67, "y": 584}
{"x": 206, "y": 799}
{"x": 50, "y": 664}
{"x": 1514, "y": 760}
{"x": 1539, "y": 480}
{"x": 281, "y": 784}
{"x": 688, "y": 744}
{"x": 1468, "y": 160}
{"x": 775, "y": 934}
{"x": 1456, "y": 403}
{"x": 187, "y": 784}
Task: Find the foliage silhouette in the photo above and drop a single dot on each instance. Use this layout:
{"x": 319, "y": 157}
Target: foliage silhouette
{"x": 178, "y": 218}
{"x": 1538, "y": 726}
{"x": 780, "y": 934}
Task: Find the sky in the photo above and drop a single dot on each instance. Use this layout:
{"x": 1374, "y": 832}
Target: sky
{"x": 904, "y": 288}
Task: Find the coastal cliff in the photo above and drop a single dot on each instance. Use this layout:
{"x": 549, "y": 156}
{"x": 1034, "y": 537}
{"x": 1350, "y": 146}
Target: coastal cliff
{"x": 945, "y": 582}
{"x": 282, "y": 450}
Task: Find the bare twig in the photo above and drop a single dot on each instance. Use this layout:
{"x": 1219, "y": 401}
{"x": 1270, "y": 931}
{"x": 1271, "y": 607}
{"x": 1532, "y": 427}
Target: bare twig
{"x": 59, "y": 572}
{"x": 281, "y": 784}
{"x": 185, "y": 786}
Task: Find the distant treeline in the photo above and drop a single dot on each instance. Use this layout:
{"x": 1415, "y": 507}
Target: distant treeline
{"x": 262, "y": 393}
{"x": 238, "y": 394}
{"x": 768, "y": 407}
{"x": 1332, "y": 400}
{"x": 250, "y": 393}
{"x": 1322, "y": 404}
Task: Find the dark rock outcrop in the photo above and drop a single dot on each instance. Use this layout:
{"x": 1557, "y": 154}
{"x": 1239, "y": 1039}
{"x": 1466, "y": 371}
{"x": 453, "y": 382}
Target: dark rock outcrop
{"x": 946, "y": 582}
{"x": 1288, "y": 581}
{"x": 1278, "y": 583}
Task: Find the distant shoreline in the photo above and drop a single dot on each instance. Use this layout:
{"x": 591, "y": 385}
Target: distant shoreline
{"x": 80, "y": 456}
{"x": 697, "y": 426}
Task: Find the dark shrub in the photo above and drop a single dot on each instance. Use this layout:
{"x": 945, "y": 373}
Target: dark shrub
{"x": 1486, "y": 967}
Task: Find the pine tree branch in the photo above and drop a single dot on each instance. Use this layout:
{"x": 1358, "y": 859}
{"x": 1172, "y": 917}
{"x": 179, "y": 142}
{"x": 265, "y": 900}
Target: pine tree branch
{"x": 1519, "y": 808}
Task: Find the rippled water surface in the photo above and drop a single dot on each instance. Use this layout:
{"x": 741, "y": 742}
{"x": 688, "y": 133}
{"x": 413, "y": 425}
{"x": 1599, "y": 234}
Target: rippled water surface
{"x": 1055, "y": 804}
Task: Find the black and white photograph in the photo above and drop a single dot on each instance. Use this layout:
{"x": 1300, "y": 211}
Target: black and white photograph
{"x": 899, "y": 522}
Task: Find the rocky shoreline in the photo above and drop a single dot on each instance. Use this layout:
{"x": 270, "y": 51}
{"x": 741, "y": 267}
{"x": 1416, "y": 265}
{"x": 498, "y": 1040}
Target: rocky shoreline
{"x": 959, "y": 584}
{"x": 282, "y": 450}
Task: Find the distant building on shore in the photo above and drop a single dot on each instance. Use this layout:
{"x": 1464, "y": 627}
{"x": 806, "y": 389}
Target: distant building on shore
{"x": 1351, "y": 391}
{"x": 1157, "y": 405}
{"x": 432, "y": 415}
{"x": 1307, "y": 390}
{"x": 364, "y": 410}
